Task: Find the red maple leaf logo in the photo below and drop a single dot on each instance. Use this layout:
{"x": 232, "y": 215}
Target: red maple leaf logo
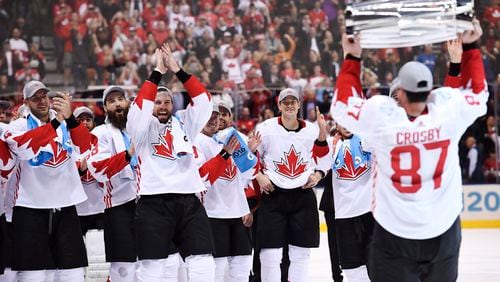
{"x": 60, "y": 155}
{"x": 229, "y": 172}
{"x": 164, "y": 148}
{"x": 348, "y": 170}
{"x": 87, "y": 178}
{"x": 292, "y": 166}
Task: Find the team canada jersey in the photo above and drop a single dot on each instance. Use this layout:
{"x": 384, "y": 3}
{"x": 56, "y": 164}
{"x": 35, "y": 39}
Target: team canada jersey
{"x": 95, "y": 193}
{"x": 167, "y": 160}
{"x": 352, "y": 188}
{"x": 225, "y": 197}
{"x": 7, "y": 165}
{"x": 108, "y": 165}
{"x": 56, "y": 182}
{"x": 417, "y": 179}
{"x": 287, "y": 156}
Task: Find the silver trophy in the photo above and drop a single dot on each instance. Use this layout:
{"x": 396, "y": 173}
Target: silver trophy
{"x": 393, "y": 24}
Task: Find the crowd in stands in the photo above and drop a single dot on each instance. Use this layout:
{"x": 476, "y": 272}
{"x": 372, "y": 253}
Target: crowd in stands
{"x": 244, "y": 51}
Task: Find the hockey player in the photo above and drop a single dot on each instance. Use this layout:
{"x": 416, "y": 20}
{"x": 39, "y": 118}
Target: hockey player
{"x": 225, "y": 201}
{"x": 351, "y": 172}
{"x": 168, "y": 209}
{"x": 46, "y": 228}
{"x": 288, "y": 214}
{"x": 113, "y": 163}
{"x": 90, "y": 212}
{"x": 416, "y": 178}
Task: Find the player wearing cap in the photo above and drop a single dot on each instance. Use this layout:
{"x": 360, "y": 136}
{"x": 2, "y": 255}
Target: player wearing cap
{"x": 416, "y": 179}
{"x": 113, "y": 163}
{"x": 351, "y": 172}
{"x": 46, "y": 228}
{"x": 168, "y": 210}
{"x": 288, "y": 214}
{"x": 225, "y": 200}
{"x": 90, "y": 212}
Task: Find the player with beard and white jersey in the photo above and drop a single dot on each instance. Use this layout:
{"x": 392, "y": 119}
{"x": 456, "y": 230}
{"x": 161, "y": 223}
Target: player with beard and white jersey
{"x": 90, "y": 212}
{"x": 168, "y": 209}
{"x": 288, "y": 214}
{"x": 113, "y": 162}
{"x": 416, "y": 179}
{"x": 225, "y": 200}
{"x": 351, "y": 165}
{"x": 46, "y": 229}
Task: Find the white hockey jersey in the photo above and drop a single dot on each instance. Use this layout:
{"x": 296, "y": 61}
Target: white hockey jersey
{"x": 225, "y": 197}
{"x": 7, "y": 165}
{"x": 352, "y": 188}
{"x": 167, "y": 161}
{"x": 95, "y": 193}
{"x": 287, "y": 156}
{"x": 107, "y": 164}
{"x": 417, "y": 179}
{"x": 56, "y": 183}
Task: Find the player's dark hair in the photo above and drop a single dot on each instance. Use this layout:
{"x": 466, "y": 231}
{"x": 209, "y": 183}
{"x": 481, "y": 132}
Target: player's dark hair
{"x": 417, "y": 97}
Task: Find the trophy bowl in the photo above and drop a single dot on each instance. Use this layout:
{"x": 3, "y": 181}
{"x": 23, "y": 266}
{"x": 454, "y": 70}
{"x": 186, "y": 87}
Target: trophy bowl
{"x": 395, "y": 24}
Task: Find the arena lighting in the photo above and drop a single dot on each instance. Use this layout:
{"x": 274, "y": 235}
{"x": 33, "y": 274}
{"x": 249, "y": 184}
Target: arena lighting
{"x": 394, "y": 24}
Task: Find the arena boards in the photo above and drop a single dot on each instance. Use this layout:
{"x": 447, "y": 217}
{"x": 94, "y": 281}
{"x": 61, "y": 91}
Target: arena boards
{"x": 481, "y": 207}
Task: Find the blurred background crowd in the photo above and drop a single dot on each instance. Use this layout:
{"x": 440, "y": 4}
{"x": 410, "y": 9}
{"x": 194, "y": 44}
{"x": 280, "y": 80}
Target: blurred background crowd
{"x": 244, "y": 51}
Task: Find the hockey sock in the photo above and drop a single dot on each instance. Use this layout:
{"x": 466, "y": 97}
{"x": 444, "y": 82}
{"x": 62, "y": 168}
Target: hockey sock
{"x": 122, "y": 271}
{"x": 200, "y": 268}
{"x": 239, "y": 268}
{"x": 270, "y": 260}
{"x": 359, "y": 274}
{"x": 299, "y": 263}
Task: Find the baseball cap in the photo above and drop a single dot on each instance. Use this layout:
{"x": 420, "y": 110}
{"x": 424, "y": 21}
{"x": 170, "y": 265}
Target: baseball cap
{"x": 82, "y": 110}
{"x": 395, "y": 85}
{"x": 288, "y": 92}
{"x": 110, "y": 89}
{"x": 165, "y": 89}
{"x": 215, "y": 108}
{"x": 225, "y": 106}
{"x": 415, "y": 77}
{"x": 32, "y": 87}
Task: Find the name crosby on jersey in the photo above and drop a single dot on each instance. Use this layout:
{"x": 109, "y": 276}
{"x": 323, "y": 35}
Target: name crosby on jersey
{"x": 406, "y": 138}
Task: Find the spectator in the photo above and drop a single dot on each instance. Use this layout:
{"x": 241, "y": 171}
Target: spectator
{"x": 37, "y": 55}
{"x": 81, "y": 56}
{"x": 285, "y": 54}
{"x": 129, "y": 75}
{"x": 297, "y": 82}
{"x": 27, "y": 73}
{"x": 17, "y": 43}
{"x": 11, "y": 62}
{"x": 245, "y": 124}
{"x": 427, "y": 57}
{"x": 317, "y": 15}
{"x": 474, "y": 171}
{"x": 232, "y": 65}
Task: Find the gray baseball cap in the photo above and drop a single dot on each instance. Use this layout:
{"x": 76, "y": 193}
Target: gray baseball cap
{"x": 167, "y": 91}
{"x": 32, "y": 87}
{"x": 215, "y": 108}
{"x": 82, "y": 110}
{"x": 415, "y": 77}
{"x": 288, "y": 92}
{"x": 224, "y": 105}
{"x": 110, "y": 89}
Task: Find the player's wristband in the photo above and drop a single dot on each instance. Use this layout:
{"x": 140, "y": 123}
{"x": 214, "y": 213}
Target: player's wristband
{"x": 224, "y": 154}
